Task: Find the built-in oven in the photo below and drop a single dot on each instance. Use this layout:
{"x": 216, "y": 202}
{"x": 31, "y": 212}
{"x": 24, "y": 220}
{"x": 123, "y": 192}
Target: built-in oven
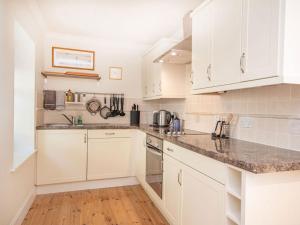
{"x": 154, "y": 164}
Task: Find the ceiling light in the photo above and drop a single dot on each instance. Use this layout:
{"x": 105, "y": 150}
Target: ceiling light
{"x": 161, "y": 60}
{"x": 173, "y": 53}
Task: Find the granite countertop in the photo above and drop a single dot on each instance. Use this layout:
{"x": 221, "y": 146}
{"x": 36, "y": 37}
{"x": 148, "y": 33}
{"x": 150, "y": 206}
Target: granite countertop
{"x": 252, "y": 157}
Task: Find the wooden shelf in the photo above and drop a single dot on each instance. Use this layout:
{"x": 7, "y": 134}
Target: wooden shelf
{"x": 91, "y": 76}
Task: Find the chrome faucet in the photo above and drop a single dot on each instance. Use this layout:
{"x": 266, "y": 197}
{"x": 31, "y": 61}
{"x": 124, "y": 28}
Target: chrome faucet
{"x": 71, "y": 119}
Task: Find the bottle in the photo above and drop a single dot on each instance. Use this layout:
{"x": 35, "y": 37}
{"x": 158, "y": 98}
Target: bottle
{"x": 70, "y": 96}
{"x": 171, "y": 125}
{"x": 176, "y": 125}
{"x": 79, "y": 120}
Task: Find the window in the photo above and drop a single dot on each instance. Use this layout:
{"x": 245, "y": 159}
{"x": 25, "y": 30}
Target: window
{"x": 24, "y": 95}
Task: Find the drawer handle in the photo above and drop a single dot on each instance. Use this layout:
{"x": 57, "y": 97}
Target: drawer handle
{"x": 85, "y": 139}
{"x": 110, "y": 133}
{"x": 170, "y": 150}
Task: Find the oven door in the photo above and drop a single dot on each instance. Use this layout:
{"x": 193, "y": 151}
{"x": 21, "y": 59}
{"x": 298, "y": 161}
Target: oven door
{"x": 154, "y": 169}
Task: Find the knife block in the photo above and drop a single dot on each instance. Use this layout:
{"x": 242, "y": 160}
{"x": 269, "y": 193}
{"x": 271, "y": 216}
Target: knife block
{"x": 135, "y": 118}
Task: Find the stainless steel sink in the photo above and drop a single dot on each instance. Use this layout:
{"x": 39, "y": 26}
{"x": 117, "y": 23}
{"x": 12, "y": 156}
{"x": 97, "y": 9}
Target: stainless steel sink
{"x": 58, "y": 125}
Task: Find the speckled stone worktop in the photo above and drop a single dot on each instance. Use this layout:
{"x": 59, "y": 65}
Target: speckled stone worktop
{"x": 252, "y": 157}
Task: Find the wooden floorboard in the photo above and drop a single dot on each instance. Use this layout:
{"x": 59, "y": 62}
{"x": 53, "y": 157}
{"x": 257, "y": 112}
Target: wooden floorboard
{"x": 111, "y": 206}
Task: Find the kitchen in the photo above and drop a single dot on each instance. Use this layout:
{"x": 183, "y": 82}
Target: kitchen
{"x": 139, "y": 112}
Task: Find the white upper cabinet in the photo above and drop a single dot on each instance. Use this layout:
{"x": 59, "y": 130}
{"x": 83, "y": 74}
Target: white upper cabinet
{"x": 246, "y": 43}
{"x": 202, "y": 47}
{"x": 162, "y": 80}
{"x": 261, "y": 39}
{"x": 217, "y": 43}
{"x": 226, "y": 46}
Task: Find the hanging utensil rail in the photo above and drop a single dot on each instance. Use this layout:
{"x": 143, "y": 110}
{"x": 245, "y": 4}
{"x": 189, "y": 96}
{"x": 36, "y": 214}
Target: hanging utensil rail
{"x": 98, "y": 93}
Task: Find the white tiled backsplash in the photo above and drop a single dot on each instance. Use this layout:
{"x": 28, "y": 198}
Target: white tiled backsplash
{"x": 267, "y": 115}
{"x": 146, "y": 113}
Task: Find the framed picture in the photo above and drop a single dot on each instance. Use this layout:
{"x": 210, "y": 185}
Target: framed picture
{"x": 115, "y": 73}
{"x": 73, "y": 58}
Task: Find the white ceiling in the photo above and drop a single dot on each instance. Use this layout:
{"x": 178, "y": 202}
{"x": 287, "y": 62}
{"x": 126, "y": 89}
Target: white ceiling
{"x": 140, "y": 21}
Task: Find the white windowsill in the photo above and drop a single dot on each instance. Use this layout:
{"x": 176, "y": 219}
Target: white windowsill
{"x": 20, "y": 159}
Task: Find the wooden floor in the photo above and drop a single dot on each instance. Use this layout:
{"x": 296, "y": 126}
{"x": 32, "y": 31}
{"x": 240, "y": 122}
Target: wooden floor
{"x": 111, "y": 206}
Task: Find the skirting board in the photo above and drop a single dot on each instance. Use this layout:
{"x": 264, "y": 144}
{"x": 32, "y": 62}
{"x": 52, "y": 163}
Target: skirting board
{"x": 86, "y": 185}
{"x": 18, "y": 219}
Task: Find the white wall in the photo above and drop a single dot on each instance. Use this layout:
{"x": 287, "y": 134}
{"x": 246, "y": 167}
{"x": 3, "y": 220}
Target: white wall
{"x": 118, "y": 54}
{"x": 17, "y": 186}
{"x": 108, "y": 53}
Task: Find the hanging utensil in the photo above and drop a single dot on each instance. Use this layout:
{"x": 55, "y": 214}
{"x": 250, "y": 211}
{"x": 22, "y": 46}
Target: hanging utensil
{"x": 118, "y": 103}
{"x": 93, "y": 106}
{"x": 122, "y": 113}
{"x": 109, "y": 114}
{"x": 114, "y": 106}
{"x": 104, "y": 112}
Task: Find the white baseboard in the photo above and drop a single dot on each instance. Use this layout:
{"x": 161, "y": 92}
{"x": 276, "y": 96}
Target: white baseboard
{"x": 22, "y": 212}
{"x": 86, "y": 185}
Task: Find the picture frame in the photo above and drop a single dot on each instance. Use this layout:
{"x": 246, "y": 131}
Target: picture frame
{"x": 115, "y": 73}
{"x": 73, "y": 58}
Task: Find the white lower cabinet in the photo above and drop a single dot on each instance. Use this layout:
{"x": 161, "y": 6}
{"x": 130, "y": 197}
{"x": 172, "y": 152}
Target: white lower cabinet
{"x": 172, "y": 188}
{"x": 191, "y": 197}
{"x": 62, "y": 156}
{"x": 203, "y": 199}
{"x": 140, "y": 159}
{"x": 109, "y": 158}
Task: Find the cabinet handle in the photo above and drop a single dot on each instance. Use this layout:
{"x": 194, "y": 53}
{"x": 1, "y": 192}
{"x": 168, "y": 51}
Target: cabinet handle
{"x": 110, "y": 133}
{"x": 85, "y": 139}
{"x": 191, "y": 77}
{"x": 208, "y": 72}
{"x": 242, "y": 62}
{"x": 170, "y": 150}
{"x": 179, "y": 178}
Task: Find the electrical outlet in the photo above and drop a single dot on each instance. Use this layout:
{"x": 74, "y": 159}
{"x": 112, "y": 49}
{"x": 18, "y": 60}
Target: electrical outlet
{"x": 294, "y": 127}
{"x": 246, "y": 122}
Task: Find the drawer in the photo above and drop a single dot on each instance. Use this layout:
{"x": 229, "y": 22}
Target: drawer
{"x": 210, "y": 167}
{"x": 109, "y": 133}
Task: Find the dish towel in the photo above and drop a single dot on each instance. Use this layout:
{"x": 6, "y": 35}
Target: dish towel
{"x": 60, "y": 100}
{"x": 49, "y": 100}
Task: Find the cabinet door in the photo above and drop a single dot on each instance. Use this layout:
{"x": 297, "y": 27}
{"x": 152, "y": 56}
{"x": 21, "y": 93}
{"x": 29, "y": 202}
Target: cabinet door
{"x": 202, "y": 45}
{"x": 172, "y": 188}
{"x": 203, "y": 199}
{"x": 261, "y": 39}
{"x": 144, "y": 77}
{"x": 62, "y": 156}
{"x": 156, "y": 73}
{"x": 109, "y": 158}
{"x": 140, "y": 169}
{"x": 227, "y": 38}
{"x": 149, "y": 78}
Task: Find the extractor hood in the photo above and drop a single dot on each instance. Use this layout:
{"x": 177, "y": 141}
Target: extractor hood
{"x": 182, "y": 52}
{"x": 178, "y": 54}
